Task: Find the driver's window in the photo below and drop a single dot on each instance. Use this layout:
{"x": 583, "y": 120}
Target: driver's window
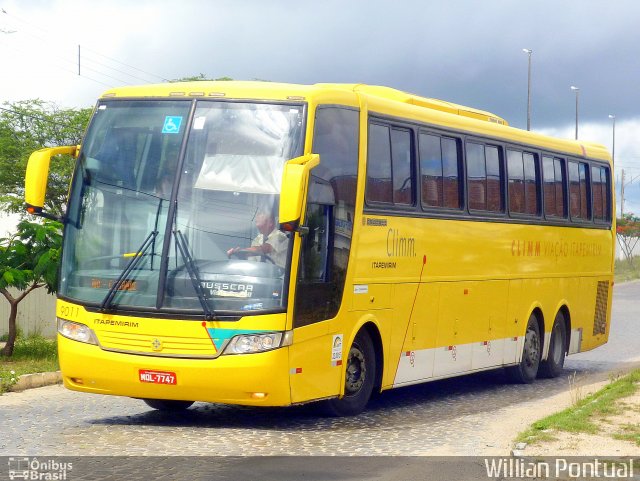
{"x": 315, "y": 247}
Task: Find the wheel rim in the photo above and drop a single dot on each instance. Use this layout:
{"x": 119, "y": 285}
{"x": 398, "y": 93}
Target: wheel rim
{"x": 356, "y": 371}
{"x": 531, "y": 348}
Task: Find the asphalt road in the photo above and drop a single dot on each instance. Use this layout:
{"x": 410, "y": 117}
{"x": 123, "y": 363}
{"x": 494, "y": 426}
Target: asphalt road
{"x": 455, "y": 416}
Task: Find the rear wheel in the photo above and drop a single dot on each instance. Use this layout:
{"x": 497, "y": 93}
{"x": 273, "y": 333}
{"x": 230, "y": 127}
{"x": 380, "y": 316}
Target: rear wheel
{"x": 526, "y": 371}
{"x": 168, "y": 405}
{"x": 359, "y": 378}
{"x": 554, "y": 363}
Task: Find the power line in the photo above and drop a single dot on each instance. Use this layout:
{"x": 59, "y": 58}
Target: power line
{"x": 85, "y": 58}
{"x": 130, "y": 66}
{"x": 19, "y": 50}
{"x": 91, "y": 50}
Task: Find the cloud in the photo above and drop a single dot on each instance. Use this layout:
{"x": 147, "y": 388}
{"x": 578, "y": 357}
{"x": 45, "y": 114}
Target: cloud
{"x": 463, "y": 51}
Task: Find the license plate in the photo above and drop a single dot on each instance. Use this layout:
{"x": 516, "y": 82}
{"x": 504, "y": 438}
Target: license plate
{"x": 157, "y": 377}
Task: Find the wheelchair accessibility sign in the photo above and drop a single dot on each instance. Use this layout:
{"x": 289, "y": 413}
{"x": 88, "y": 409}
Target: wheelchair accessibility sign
{"x": 171, "y": 125}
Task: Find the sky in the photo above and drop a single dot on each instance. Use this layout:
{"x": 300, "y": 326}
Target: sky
{"x": 463, "y": 51}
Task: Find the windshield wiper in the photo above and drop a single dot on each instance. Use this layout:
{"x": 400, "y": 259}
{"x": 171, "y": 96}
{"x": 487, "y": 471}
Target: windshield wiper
{"x": 107, "y": 302}
{"x": 192, "y": 270}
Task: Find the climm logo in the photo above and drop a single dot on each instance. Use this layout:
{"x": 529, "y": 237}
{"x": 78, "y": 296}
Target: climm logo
{"x": 525, "y": 248}
{"x": 400, "y": 246}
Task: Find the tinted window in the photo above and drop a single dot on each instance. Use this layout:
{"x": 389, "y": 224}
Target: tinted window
{"x": 484, "y": 175}
{"x": 549, "y": 186}
{"x": 523, "y": 177}
{"x": 579, "y": 202}
{"x": 389, "y": 177}
{"x": 495, "y": 198}
{"x": 476, "y": 176}
{"x": 330, "y": 211}
{"x": 530, "y": 184}
{"x": 431, "y": 170}
{"x": 401, "y": 155}
{"x": 379, "y": 187}
{"x": 596, "y": 192}
{"x": 451, "y": 173}
{"x": 600, "y": 193}
{"x": 553, "y": 180}
{"x": 440, "y": 171}
{"x": 515, "y": 170}
{"x": 560, "y": 182}
{"x": 584, "y": 201}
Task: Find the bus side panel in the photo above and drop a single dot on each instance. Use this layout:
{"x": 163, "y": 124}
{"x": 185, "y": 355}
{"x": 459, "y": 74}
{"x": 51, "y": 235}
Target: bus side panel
{"x": 466, "y": 337}
{"x": 312, "y": 371}
{"x": 490, "y": 308}
{"x": 413, "y": 338}
{"x": 515, "y": 324}
{"x": 592, "y": 311}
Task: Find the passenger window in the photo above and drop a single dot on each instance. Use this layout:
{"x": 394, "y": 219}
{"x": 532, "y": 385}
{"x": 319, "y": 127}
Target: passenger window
{"x": 484, "y": 174}
{"x": 495, "y": 199}
{"x": 523, "y": 182}
{"x": 476, "y": 176}
{"x": 600, "y": 193}
{"x": 560, "y": 182}
{"x": 578, "y": 192}
{"x": 516, "y": 182}
{"x": 553, "y": 180}
{"x": 401, "y": 158}
{"x": 530, "y": 184}
{"x": 379, "y": 187}
{"x": 440, "y": 171}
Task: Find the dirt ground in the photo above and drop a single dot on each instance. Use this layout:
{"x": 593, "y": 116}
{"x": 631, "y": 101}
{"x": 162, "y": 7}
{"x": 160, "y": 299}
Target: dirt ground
{"x": 601, "y": 444}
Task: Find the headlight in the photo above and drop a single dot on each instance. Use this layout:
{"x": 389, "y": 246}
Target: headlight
{"x": 251, "y": 343}
{"x": 76, "y": 331}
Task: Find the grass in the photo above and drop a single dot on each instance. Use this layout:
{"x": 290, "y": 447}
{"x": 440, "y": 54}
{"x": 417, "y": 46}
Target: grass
{"x": 31, "y": 354}
{"x": 582, "y": 416}
{"x": 631, "y": 433}
{"x": 624, "y": 271}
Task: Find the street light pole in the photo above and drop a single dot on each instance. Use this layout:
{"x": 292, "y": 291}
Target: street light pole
{"x": 577, "y": 91}
{"x": 613, "y": 143}
{"x": 529, "y": 52}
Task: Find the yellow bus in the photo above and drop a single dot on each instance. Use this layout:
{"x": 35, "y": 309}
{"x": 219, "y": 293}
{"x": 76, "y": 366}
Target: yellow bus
{"x": 271, "y": 244}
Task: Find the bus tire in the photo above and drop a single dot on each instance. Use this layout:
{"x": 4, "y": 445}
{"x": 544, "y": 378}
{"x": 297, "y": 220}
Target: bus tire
{"x": 526, "y": 371}
{"x": 554, "y": 363}
{"x": 168, "y": 405}
{"x": 359, "y": 379}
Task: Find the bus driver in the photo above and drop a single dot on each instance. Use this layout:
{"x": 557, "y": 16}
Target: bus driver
{"x": 270, "y": 243}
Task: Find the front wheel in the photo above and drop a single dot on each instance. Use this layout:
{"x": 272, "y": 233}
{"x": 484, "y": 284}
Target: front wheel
{"x": 526, "y": 371}
{"x": 554, "y": 363}
{"x": 168, "y": 405}
{"x": 359, "y": 378}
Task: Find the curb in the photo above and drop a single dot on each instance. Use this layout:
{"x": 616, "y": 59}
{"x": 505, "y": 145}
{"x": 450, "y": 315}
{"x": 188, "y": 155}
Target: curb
{"x": 40, "y": 379}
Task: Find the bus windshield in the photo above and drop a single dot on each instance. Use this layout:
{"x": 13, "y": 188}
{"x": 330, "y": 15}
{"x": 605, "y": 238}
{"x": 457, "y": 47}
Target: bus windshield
{"x": 174, "y": 206}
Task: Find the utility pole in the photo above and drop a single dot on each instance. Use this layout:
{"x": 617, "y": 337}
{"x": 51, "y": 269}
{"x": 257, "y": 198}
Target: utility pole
{"x": 622, "y": 186}
{"x": 622, "y": 195}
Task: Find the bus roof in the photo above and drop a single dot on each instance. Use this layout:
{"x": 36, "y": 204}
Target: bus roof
{"x": 257, "y": 89}
{"x": 466, "y": 118}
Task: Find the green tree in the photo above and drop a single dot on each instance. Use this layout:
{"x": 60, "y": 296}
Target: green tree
{"x": 28, "y": 261}
{"x": 628, "y": 230}
{"x": 198, "y": 78}
{"x": 29, "y": 125}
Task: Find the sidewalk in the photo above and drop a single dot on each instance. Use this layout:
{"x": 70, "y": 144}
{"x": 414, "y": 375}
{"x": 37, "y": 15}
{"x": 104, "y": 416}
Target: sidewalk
{"x": 30, "y": 381}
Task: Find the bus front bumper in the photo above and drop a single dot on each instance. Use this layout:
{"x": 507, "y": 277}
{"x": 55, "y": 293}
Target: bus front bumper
{"x": 260, "y": 379}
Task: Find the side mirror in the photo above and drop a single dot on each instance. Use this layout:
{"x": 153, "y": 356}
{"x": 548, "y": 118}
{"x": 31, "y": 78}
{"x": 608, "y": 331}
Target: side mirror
{"x": 295, "y": 182}
{"x": 35, "y": 182}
